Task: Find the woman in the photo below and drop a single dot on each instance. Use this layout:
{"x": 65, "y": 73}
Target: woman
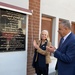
{"x": 41, "y": 58}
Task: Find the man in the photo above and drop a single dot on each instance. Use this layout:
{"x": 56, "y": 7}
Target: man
{"x": 65, "y": 53}
{"x": 20, "y": 40}
{"x": 17, "y": 43}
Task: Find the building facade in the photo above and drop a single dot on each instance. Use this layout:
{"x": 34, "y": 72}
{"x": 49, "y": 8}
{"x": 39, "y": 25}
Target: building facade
{"x": 32, "y": 16}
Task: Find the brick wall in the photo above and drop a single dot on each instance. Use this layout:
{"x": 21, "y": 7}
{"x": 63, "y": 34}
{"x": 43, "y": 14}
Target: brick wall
{"x": 33, "y": 32}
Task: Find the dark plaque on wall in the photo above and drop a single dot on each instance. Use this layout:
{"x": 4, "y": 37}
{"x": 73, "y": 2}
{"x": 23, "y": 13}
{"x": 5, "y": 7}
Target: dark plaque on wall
{"x": 12, "y": 31}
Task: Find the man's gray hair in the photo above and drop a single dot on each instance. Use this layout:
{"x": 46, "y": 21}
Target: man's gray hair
{"x": 66, "y": 23}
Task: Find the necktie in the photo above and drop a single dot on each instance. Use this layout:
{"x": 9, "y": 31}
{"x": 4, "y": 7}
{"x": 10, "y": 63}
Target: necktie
{"x": 61, "y": 42}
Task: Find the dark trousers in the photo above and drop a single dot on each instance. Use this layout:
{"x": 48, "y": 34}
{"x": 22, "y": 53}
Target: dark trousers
{"x": 44, "y": 72}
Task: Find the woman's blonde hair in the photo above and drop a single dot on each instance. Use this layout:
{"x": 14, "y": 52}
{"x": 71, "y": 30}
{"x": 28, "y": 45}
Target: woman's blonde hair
{"x": 48, "y": 38}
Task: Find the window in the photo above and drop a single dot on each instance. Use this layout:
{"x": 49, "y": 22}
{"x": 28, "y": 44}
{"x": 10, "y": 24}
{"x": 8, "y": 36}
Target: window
{"x": 12, "y": 30}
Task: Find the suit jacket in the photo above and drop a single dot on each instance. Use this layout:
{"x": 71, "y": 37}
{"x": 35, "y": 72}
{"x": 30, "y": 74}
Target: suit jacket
{"x": 66, "y": 56}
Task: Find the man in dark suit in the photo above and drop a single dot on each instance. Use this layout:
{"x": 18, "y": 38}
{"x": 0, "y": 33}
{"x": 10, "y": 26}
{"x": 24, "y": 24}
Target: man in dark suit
{"x": 65, "y": 53}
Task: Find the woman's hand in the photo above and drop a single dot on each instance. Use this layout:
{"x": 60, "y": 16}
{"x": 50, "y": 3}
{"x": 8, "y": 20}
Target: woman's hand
{"x": 35, "y": 44}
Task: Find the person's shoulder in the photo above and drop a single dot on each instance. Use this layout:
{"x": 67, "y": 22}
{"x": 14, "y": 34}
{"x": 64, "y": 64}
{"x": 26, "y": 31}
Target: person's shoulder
{"x": 73, "y": 36}
{"x": 48, "y": 43}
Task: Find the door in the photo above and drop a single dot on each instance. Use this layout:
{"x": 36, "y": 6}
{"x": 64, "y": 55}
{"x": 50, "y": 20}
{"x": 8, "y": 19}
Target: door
{"x": 73, "y": 27}
{"x": 47, "y": 25}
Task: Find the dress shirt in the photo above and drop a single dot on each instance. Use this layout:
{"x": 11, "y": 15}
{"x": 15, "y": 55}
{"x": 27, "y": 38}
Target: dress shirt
{"x": 66, "y": 36}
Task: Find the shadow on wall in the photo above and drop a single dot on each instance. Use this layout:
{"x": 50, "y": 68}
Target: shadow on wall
{"x": 52, "y": 73}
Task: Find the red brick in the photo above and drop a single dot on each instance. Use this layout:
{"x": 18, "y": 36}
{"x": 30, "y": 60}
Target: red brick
{"x": 33, "y": 32}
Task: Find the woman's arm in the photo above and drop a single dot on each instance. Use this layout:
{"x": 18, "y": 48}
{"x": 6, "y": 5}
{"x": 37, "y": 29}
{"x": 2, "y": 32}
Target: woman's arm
{"x": 39, "y": 50}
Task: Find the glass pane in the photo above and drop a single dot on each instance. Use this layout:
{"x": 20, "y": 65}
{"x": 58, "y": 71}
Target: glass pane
{"x": 12, "y": 31}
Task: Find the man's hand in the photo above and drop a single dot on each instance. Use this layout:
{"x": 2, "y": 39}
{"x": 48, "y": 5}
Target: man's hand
{"x": 51, "y": 49}
{"x": 35, "y": 44}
